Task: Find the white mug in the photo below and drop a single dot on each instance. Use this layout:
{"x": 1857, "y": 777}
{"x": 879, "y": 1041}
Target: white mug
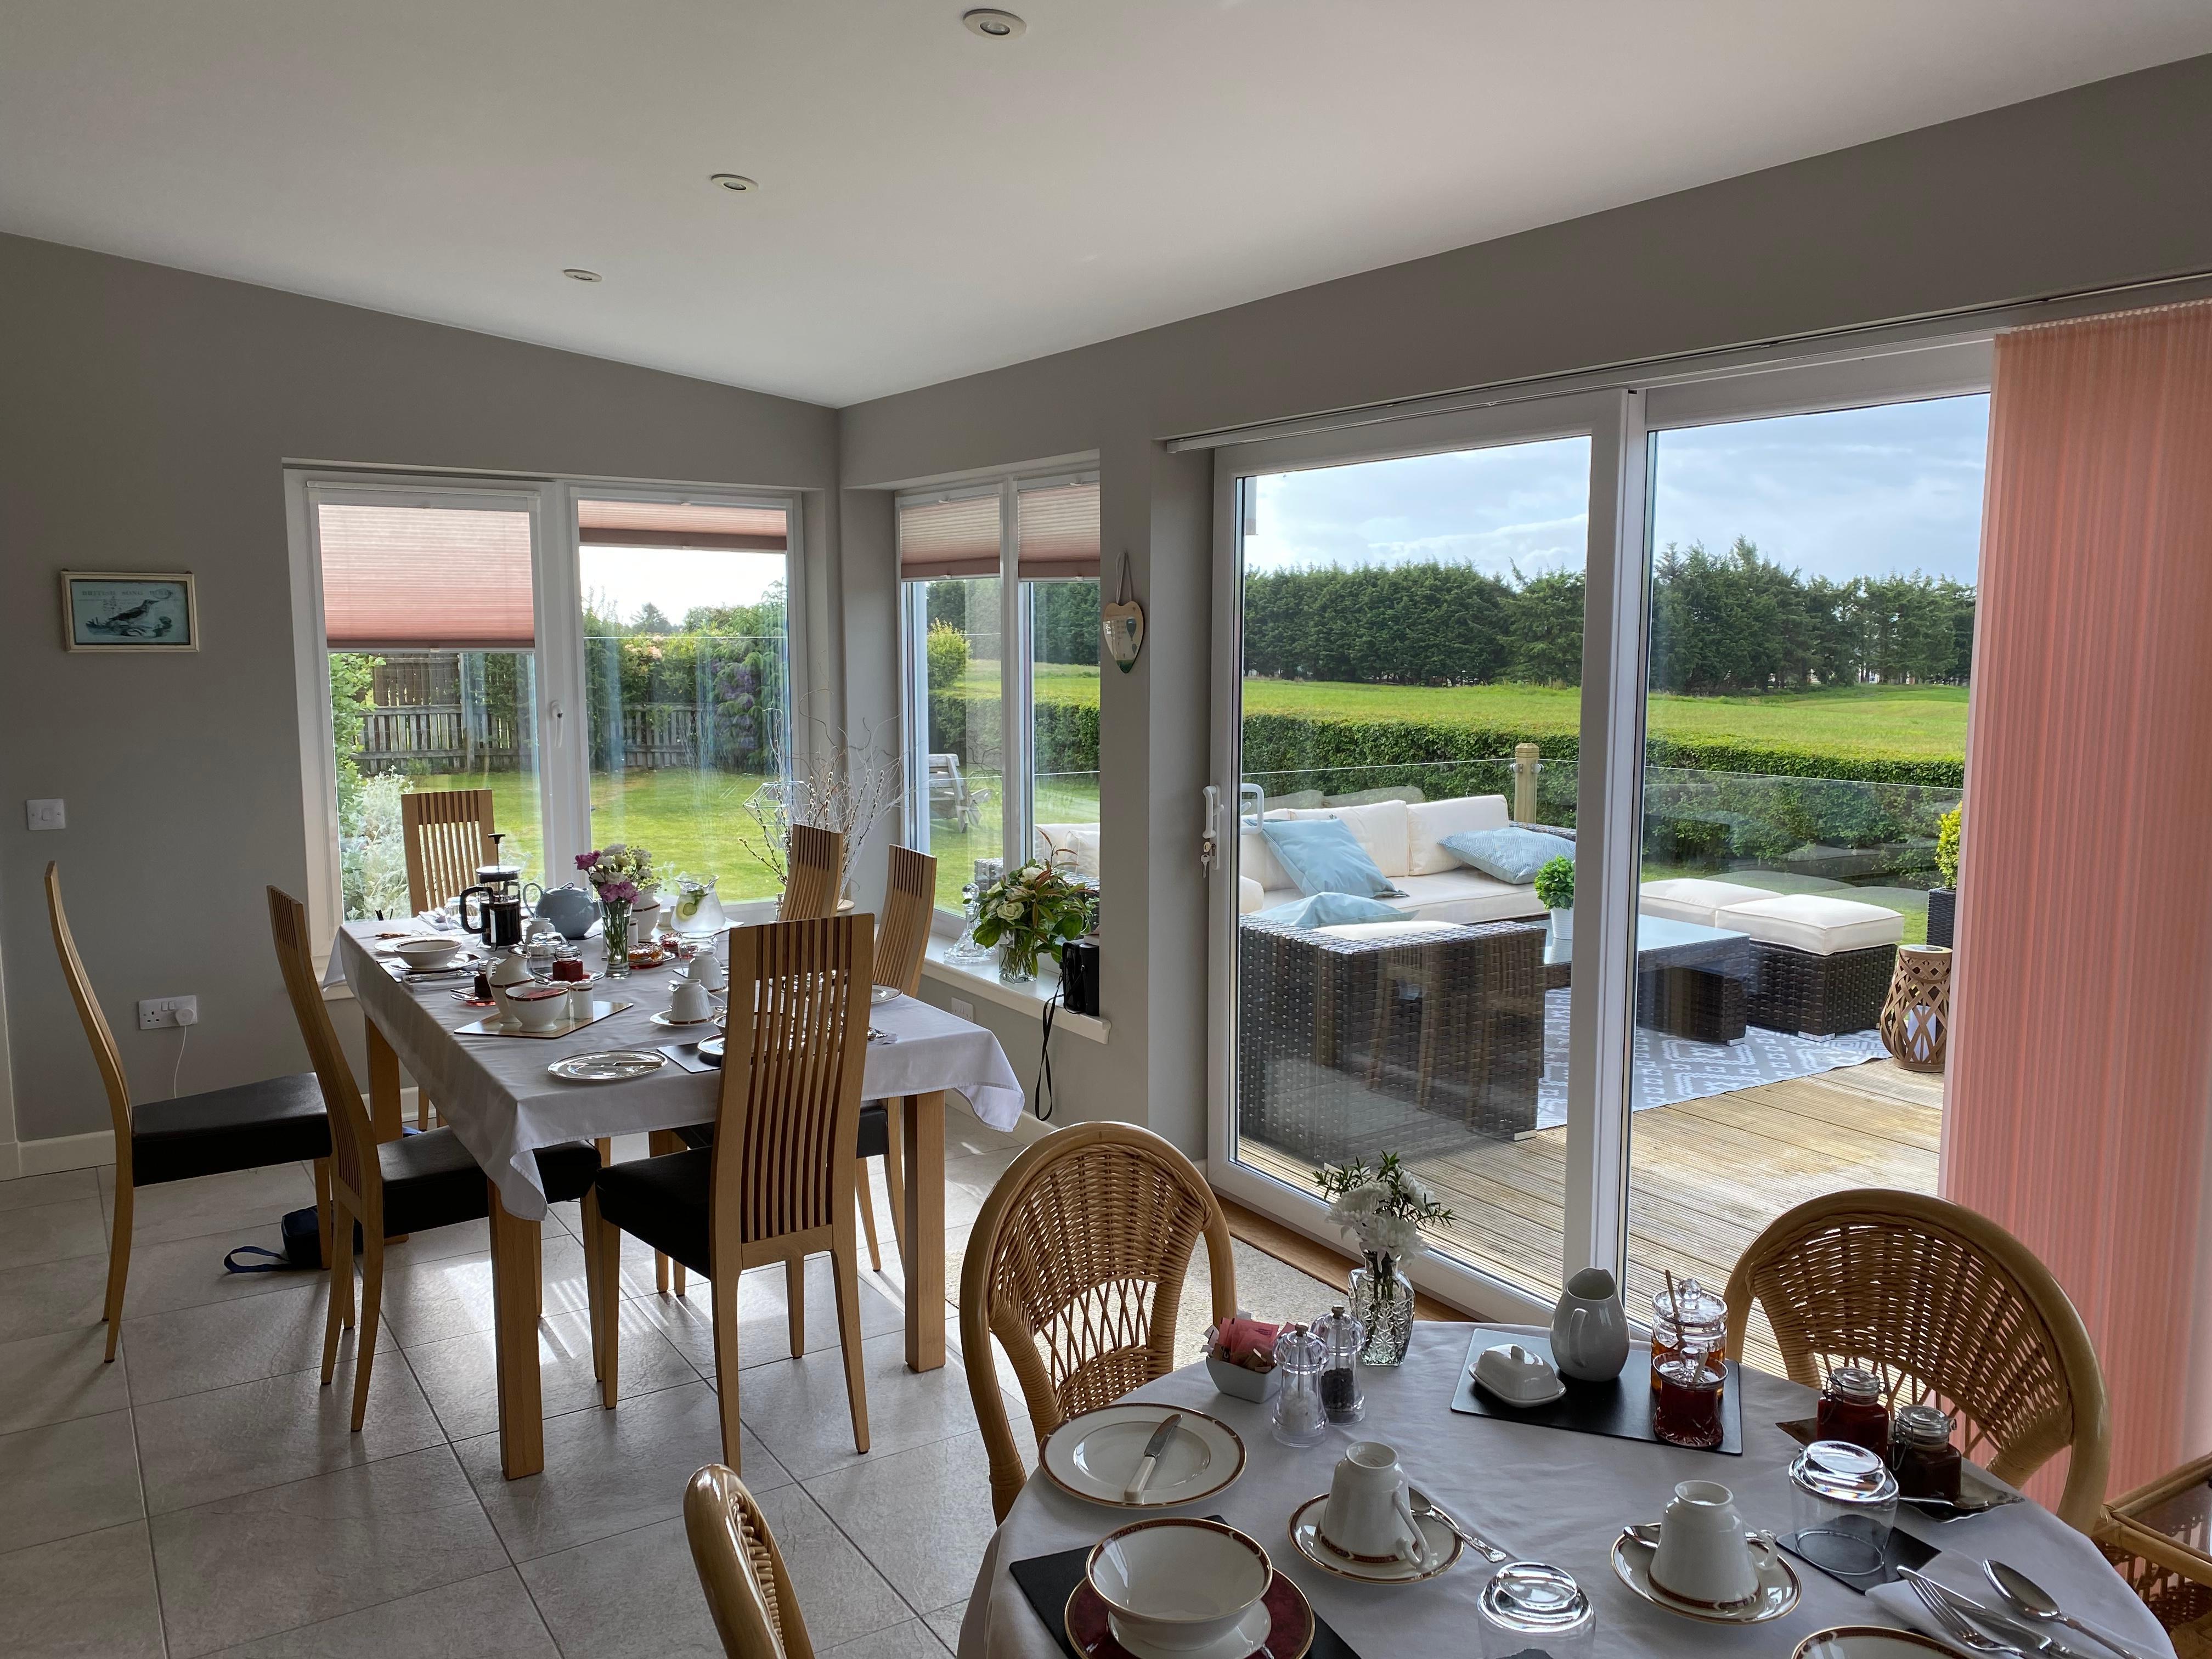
{"x": 580, "y": 1003}
{"x": 1703, "y": 1554}
{"x": 1368, "y": 1516}
{"x": 707, "y": 971}
{"x": 1589, "y": 1329}
{"x": 687, "y": 1003}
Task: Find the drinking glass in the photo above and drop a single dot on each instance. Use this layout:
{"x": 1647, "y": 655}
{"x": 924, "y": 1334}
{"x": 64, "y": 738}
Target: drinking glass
{"x": 1531, "y": 1611}
{"x": 1843, "y": 1502}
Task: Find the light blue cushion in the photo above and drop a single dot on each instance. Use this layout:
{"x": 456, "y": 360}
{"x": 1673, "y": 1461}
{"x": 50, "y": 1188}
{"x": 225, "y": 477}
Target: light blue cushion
{"x": 1323, "y": 856}
{"x": 1511, "y": 855}
{"x": 1330, "y": 910}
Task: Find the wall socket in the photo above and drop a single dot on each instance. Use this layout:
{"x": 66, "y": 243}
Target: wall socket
{"x": 160, "y": 1013}
{"x": 961, "y": 1007}
{"x": 45, "y": 815}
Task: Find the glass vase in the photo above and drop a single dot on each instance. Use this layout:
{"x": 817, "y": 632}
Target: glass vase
{"x": 614, "y": 934}
{"x": 1382, "y": 1298}
{"x": 1018, "y": 960}
{"x": 964, "y": 949}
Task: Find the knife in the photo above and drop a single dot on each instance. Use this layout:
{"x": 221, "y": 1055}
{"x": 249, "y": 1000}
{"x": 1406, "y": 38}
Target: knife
{"x": 1153, "y": 1448}
{"x": 2012, "y": 1629}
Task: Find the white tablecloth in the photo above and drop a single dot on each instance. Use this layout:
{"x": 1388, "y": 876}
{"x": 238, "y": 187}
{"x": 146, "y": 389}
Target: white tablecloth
{"x": 504, "y": 1104}
{"x": 1543, "y": 1494}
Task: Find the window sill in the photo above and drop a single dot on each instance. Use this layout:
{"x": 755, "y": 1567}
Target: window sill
{"x": 982, "y": 981}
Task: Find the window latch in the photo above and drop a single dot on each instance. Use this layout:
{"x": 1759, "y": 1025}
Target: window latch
{"x": 1209, "y": 840}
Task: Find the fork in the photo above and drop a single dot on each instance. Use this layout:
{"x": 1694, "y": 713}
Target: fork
{"x": 1953, "y": 1622}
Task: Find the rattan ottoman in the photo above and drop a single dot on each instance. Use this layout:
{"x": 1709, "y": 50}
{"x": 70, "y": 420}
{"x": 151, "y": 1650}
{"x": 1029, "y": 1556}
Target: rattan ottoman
{"x": 1794, "y": 990}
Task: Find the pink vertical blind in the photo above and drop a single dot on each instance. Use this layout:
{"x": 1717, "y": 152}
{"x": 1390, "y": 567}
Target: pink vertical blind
{"x": 2081, "y": 1073}
{"x": 949, "y": 539}
{"x": 423, "y": 578}
{"x": 1059, "y": 531}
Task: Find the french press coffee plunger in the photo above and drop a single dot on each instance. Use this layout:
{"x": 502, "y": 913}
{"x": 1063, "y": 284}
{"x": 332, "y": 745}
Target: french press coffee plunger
{"x": 498, "y": 919}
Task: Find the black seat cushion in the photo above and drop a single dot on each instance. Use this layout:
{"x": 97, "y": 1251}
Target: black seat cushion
{"x": 874, "y": 1138}
{"x": 279, "y": 1119}
{"x": 665, "y": 1202}
{"x": 431, "y": 1181}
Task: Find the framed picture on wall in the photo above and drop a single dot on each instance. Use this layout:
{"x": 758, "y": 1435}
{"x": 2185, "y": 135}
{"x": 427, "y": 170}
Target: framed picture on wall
{"x": 129, "y": 610}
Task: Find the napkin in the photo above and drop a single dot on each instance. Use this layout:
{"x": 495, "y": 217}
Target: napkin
{"x": 1241, "y": 1336}
{"x": 1963, "y": 1573}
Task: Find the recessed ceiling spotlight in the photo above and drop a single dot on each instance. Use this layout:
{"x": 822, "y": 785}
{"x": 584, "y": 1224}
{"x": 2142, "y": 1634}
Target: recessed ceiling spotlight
{"x": 736, "y": 183}
{"x": 577, "y": 274}
{"x": 992, "y": 23}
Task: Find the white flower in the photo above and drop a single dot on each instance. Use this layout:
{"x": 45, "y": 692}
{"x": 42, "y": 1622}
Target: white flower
{"x": 1010, "y": 911}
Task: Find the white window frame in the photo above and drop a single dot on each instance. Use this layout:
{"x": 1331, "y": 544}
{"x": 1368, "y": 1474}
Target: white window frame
{"x": 1016, "y": 653}
{"x": 563, "y": 772}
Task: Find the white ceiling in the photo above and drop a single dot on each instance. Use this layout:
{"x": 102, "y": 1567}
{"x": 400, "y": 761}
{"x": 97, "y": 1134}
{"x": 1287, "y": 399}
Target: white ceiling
{"x": 934, "y": 203}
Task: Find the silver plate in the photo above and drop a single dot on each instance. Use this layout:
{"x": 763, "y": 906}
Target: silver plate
{"x": 879, "y": 994}
{"x": 608, "y": 1065}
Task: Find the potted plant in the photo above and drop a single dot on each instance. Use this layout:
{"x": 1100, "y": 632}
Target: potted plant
{"x": 1943, "y": 901}
{"x": 1555, "y": 891}
{"x": 1383, "y": 1209}
{"x": 1027, "y": 911}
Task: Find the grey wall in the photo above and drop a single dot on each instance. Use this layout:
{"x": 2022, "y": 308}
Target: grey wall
{"x": 145, "y": 415}
{"x": 2104, "y": 183}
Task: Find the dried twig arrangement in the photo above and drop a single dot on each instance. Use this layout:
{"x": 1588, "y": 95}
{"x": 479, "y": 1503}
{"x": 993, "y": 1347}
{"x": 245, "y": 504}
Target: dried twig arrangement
{"x": 840, "y": 785}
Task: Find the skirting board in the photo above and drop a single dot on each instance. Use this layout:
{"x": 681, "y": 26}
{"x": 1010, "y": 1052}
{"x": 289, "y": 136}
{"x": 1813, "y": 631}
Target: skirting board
{"x": 58, "y": 1152}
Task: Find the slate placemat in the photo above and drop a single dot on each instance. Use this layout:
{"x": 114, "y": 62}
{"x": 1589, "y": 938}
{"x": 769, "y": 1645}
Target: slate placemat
{"x": 1620, "y": 1408}
{"x": 1049, "y": 1580}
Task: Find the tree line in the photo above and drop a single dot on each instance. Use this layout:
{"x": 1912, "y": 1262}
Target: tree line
{"x": 1729, "y": 622}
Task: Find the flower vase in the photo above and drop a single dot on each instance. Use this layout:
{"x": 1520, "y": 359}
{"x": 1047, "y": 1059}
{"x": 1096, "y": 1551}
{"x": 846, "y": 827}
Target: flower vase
{"x": 964, "y": 949}
{"x": 614, "y": 934}
{"x": 1018, "y": 960}
{"x": 1382, "y": 1298}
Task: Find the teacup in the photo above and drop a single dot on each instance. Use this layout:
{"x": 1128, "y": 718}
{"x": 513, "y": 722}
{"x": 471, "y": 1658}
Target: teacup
{"x": 687, "y": 1003}
{"x": 1369, "y": 1516}
{"x": 1178, "y": 1584}
{"x": 538, "y": 1007}
{"x": 1703, "y": 1556}
{"x": 708, "y": 971}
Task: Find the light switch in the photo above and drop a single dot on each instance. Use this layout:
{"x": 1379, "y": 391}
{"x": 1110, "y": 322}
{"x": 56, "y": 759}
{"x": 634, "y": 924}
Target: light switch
{"x": 45, "y": 815}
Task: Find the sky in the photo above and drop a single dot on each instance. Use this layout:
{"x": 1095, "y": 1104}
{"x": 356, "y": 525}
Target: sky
{"x": 677, "y": 579}
{"x": 1861, "y": 492}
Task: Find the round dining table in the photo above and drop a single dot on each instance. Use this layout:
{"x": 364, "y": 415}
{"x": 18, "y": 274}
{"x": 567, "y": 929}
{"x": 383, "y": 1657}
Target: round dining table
{"x": 1540, "y": 1494}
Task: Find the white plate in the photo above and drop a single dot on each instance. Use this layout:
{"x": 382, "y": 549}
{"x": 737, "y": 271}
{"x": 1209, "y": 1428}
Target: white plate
{"x": 1776, "y": 1594}
{"x": 1093, "y": 1455}
{"x": 662, "y": 1018}
{"x": 878, "y": 995}
{"x": 1868, "y": 1642}
{"x": 1440, "y": 1549}
{"x": 608, "y": 1065}
{"x": 1250, "y": 1636}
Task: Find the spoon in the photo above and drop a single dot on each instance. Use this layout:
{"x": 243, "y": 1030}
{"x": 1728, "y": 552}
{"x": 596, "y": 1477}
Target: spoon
{"x": 1425, "y": 1507}
{"x": 2031, "y": 1602}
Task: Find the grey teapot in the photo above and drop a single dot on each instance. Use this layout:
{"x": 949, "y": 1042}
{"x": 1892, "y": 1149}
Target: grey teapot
{"x": 568, "y": 908}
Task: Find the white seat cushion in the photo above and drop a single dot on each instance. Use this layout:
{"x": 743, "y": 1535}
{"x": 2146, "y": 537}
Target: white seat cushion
{"x": 1427, "y": 822}
{"x": 1250, "y": 896}
{"x": 1255, "y": 859}
{"x": 1378, "y": 933}
{"x": 1461, "y": 896}
{"x": 1379, "y": 827}
{"x": 1081, "y": 840}
{"x": 1689, "y": 898}
{"x": 1813, "y": 922}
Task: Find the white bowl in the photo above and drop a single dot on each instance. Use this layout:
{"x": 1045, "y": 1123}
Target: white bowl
{"x": 426, "y": 953}
{"x": 1178, "y": 1583}
{"x": 538, "y": 1007}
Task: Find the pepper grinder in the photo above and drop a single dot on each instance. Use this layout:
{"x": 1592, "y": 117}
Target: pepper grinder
{"x": 1341, "y": 1337}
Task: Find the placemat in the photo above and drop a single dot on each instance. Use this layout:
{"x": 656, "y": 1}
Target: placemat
{"x": 1977, "y": 1491}
{"x": 687, "y": 1056}
{"x": 1903, "y": 1550}
{"x": 1049, "y": 1580}
{"x": 1620, "y": 1408}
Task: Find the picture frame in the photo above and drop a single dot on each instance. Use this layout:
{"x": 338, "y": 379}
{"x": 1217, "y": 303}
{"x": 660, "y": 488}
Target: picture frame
{"x": 129, "y": 610}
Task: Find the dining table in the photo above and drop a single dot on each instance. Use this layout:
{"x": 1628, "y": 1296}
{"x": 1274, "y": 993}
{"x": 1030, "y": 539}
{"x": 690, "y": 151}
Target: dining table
{"x": 500, "y": 1099}
{"x": 1538, "y": 1493}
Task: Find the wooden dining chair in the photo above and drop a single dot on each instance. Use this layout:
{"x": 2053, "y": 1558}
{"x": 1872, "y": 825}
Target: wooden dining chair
{"x": 1938, "y": 1300}
{"x": 910, "y": 908}
{"x": 1076, "y": 1266}
{"x": 747, "y": 1586}
{"x": 816, "y": 873}
{"x": 278, "y": 1120}
{"x": 447, "y": 836}
{"x": 774, "y": 1184}
{"x": 405, "y": 1186}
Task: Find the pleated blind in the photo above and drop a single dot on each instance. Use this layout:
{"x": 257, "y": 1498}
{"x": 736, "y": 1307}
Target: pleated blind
{"x": 422, "y": 578}
{"x": 949, "y": 539}
{"x": 672, "y": 524}
{"x": 1060, "y": 532}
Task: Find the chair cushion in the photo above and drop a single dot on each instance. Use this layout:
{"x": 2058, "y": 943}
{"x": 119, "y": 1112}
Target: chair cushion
{"x": 1378, "y": 826}
{"x": 1322, "y": 854}
{"x": 431, "y": 1181}
{"x": 1250, "y": 896}
{"x": 1330, "y": 910}
{"x": 279, "y": 1119}
{"x": 1509, "y": 855}
{"x": 1692, "y": 899}
{"x": 1813, "y": 922}
{"x": 1428, "y": 823}
{"x": 875, "y": 1137}
{"x": 664, "y": 1201}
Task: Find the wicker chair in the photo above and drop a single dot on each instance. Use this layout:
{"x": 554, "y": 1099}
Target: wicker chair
{"x": 1076, "y": 1265}
{"x": 1937, "y": 1300}
{"x": 741, "y": 1569}
{"x": 2160, "y": 1538}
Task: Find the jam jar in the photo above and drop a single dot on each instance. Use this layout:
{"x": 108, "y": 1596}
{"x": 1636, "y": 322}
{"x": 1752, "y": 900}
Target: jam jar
{"x": 1921, "y": 1455}
{"x": 1684, "y": 1318}
{"x": 1852, "y": 1409}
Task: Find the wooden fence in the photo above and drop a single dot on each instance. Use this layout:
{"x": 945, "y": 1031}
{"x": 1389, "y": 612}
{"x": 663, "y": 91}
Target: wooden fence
{"x": 447, "y": 739}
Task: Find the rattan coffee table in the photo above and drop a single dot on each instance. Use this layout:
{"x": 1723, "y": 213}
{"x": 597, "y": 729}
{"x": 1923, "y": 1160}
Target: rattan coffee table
{"x": 1691, "y": 982}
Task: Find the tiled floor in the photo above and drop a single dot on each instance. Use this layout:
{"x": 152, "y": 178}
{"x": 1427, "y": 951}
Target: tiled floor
{"x": 202, "y": 1494}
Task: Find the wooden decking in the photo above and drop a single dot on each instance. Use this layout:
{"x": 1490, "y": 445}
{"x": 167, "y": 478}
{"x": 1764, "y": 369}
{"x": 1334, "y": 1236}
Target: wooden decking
{"x": 1705, "y": 1177}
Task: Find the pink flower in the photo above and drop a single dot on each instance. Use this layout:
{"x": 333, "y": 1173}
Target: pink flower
{"x": 618, "y": 892}
{"x": 585, "y": 861}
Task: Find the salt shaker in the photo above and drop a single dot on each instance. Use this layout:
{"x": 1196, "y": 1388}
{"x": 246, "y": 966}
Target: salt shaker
{"x": 1300, "y": 1418}
{"x": 1341, "y": 1336}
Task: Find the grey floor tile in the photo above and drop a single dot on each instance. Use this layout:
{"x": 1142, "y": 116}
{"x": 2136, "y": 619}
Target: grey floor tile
{"x": 28, "y": 1190}
{"x": 195, "y": 1349}
{"x": 237, "y": 1201}
{"x": 487, "y": 1618}
{"x": 461, "y": 1375}
{"x": 923, "y": 1516}
{"x": 945, "y": 1621}
{"x": 200, "y": 1447}
{"x": 843, "y": 1595}
{"x": 188, "y": 1273}
{"x": 54, "y": 1295}
{"x": 968, "y": 1182}
{"x": 763, "y": 1323}
{"x": 634, "y": 1596}
{"x": 269, "y": 1561}
{"x": 80, "y": 1597}
{"x": 50, "y": 1379}
{"x": 52, "y": 1232}
{"x": 462, "y": 1238}
{"x": 67, "y": 1477}
{"x": 799, "y": 1409}
{"x": 913, "y": 1639}
{"x": 610, "y": 1472}
{"x": 437, "y": 1299}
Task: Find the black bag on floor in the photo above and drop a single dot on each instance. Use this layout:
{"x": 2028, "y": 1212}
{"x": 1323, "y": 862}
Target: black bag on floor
{"x": 303, "y": 1248}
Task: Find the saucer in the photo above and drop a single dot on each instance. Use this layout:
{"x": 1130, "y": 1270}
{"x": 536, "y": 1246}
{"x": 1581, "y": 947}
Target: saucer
{"x": 1440, "y": 1546}
{"x": 878, "y": 995}
{"x": 1093, "y": 1455}
{"x": 662, "y": 1018}
{"x": 1280, "y": 1624}
{"x": 1776, "y": 1594}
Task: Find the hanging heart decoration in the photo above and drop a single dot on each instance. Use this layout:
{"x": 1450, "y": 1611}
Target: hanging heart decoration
{"x": 1124, "y": 623}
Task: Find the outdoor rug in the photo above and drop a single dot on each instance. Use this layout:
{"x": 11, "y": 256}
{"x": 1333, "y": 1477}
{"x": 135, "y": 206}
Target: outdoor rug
{"x": 1671, "y": 1070}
